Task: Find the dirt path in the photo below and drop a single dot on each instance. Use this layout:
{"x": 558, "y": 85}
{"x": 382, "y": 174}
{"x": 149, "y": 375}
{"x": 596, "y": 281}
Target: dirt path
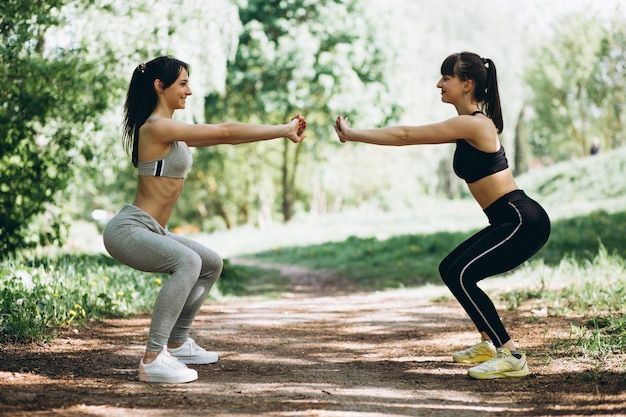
{"x": 320, "y": 350}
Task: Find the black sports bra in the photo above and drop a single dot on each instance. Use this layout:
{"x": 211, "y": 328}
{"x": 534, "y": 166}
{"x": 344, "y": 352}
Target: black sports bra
{"x": 472, "y": 164}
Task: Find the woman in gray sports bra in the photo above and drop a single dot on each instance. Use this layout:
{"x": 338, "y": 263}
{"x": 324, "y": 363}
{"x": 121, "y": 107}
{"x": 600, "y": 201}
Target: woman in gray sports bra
{"x": 138, "y": 237}
{"x": 518, "y": 226}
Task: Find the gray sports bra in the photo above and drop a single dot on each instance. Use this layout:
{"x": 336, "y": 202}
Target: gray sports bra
{"x": 176, "y": 164}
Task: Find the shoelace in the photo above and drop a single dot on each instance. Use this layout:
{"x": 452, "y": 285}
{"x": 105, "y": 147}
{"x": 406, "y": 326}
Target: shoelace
{"x": 194, "y": 346}
{"x": 499, "y": 355}
{"x": 170, "y": 361}
{"x": 473, "y": 349}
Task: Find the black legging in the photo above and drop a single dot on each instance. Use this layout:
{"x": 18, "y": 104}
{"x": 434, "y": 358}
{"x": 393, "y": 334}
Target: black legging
{"x": 518, "y": 228}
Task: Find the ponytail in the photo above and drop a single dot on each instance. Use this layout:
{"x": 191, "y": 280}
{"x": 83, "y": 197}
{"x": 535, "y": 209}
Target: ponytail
{"x": 482, "y": 71}
{"x": 141, "y": 99}
{"x": 492, "y": 96}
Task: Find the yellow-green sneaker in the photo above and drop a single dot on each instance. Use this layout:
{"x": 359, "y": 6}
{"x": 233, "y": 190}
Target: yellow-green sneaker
{"x": 480, "y": 352}
{"x": 504, "y": 365}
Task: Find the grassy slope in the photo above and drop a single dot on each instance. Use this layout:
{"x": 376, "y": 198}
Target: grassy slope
{"x": 580, "y": 186}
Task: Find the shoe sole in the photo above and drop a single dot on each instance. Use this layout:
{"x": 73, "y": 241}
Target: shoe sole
{"x": 196, "y": 362}
{"x": 163, "y": 379}
{"x": 496, "y": 375}
{"x": 476, "y": 359}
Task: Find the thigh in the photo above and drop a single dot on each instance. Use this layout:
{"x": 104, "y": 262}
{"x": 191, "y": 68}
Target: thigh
{"x": 447, "y": 262}
{"x": 494, "y": 252}
{"x": 210, "y": 258}
{"x": 145, "y": 250}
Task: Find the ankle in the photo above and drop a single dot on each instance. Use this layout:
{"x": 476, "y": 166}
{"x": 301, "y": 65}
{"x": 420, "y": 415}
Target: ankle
{"x": 510, "y": 346}
{"x": 149, "y": 357}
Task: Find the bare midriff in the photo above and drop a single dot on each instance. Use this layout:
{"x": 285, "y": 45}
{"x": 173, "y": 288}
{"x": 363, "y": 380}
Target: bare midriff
{"x": 489, "y": 189}
{"x": 157, "y": 196}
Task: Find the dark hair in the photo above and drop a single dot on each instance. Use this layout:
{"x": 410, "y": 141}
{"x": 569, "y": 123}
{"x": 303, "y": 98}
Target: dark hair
{"x": 141, "y": 98}
{"x": 482, "y": 71}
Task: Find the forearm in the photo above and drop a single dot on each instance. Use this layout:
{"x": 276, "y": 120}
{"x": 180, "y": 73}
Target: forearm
{"x": 388, "y": 136}
{"x": 235, "y": 133}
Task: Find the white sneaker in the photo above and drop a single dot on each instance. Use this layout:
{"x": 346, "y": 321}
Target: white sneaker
{"x": 191, "y": 353}
{"x": 166, "y": 369}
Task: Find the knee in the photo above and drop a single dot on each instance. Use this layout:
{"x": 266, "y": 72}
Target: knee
{"x": 212, "y": 265}
{"x": 450, "y": 276}
{"x": 191, "y": 264}
{"x": 444, "y": 272}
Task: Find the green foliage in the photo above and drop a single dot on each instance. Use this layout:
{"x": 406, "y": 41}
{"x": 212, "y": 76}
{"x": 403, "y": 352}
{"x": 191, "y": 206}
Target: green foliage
{"x": 293, "y": 57}
{"x": 40, "y": 298}
{"x": 607, "y": 87}
{"x": 578, "y": 81}
{"x": 47, "y": 95}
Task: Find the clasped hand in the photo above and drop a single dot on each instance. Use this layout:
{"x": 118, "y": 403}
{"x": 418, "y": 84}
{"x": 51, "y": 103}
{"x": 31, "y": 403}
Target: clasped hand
{"x": 341, "y": 126}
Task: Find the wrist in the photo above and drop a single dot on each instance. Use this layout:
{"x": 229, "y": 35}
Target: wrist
{"x": 346, "y": 135}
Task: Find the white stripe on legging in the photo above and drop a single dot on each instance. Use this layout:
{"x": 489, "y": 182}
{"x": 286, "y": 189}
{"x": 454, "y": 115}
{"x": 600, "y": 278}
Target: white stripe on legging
{"x": 480, "y": 256}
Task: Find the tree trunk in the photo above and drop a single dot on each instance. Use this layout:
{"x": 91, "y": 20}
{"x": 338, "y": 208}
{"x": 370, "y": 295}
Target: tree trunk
{"x": 521, "y": 147}
{"x": 289, "y": 169}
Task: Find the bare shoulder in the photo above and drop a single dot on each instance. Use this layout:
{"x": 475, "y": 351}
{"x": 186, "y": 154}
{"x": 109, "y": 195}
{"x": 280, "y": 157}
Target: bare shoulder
{"x": 163, "y": 130}
{"x": 481, "y": 132}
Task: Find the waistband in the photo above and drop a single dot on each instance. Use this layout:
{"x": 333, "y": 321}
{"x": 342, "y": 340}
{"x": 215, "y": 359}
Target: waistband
{"x": 131, "y": 214}
{"x": 502, "y": 203}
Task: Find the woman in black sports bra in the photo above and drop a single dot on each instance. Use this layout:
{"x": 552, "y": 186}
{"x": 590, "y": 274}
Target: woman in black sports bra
{"x": 518, "y": 226}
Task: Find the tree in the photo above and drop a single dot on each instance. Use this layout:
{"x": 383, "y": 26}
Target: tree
{"x": 578, "y": 84}
{"x": 293, "y": 56}
{"x": 48, "y": 97}
{"x": 608, "y": 84}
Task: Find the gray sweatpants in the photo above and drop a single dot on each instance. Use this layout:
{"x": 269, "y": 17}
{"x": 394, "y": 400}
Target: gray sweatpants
{"x": 135, "y": 239}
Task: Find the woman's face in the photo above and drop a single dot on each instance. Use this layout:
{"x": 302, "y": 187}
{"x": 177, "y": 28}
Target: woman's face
{"x": 452, "y": 88}
{"x": 176, "y": 94}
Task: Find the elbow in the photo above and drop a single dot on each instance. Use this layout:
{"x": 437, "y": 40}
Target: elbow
{"x": 229, "y": 134}
{"x": 226, "y": 131}
{"x": 404, "y": 138}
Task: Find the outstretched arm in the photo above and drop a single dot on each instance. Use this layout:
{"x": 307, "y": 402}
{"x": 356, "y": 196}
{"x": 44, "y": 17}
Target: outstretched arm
{"x": 231, "y": 133}
{"x": 444, "y": 132}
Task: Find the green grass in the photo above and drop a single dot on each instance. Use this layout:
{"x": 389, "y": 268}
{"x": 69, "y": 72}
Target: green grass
{"x": 410, "y": 260}
{"x": 581, "y": 237}
{"x": 42, "y": 298}
{"x": 593, "y": 293}
{"x": 596, "y": 178}
{"x": 407, "y": 260}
